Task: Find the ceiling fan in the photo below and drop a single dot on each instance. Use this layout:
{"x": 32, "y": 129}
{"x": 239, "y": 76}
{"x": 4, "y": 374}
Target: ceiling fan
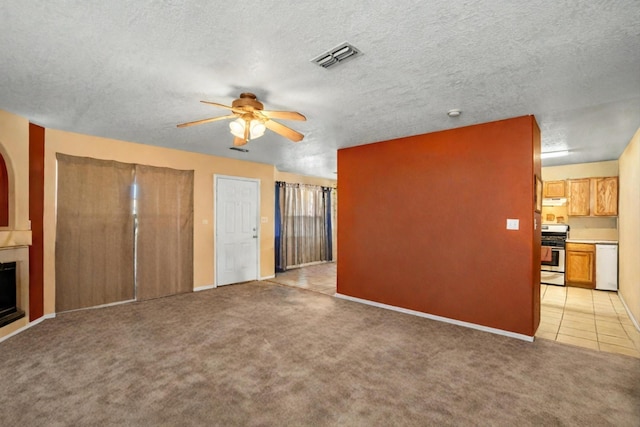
{"x": 251, "y": 120}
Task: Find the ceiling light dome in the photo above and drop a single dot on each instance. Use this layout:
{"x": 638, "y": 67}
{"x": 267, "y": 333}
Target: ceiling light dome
{"x": 237, "y": 128}
{"x": 256, "y": 129}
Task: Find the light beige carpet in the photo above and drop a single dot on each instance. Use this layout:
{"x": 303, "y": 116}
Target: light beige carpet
{"x": 260, "y": 354}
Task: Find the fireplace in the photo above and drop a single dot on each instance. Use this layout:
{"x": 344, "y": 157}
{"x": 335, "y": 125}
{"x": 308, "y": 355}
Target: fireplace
{"x": 9, "y": 311}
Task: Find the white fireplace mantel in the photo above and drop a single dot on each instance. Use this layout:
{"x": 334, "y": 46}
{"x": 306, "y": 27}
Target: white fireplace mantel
{"x": 13, "y": 238}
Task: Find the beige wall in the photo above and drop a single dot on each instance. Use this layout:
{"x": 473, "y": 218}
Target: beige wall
{"x": 14, "y": 147}
{"x": 204, "y": 166}
{"x": 580, "y": 170}
{"x": 630, "y": 226}
{"x": 598, "y": 228}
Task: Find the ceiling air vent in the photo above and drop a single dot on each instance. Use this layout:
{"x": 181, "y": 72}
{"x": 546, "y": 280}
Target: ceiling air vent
{"x": 336, "y": 55}
{"x": 242, "y": 150}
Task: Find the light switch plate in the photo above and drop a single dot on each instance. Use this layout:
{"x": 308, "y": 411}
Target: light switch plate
{"x": 513, "y": 224}
{"x": 264, "y": 219}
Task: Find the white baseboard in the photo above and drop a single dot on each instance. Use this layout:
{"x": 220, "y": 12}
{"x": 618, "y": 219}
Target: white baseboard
{"x": 206, "y": 287}
{"x": 111, "y": 304}
{"x": 28, "y": 325}
{"x": 438, "y": 318}
{"x": 629, "y": 313}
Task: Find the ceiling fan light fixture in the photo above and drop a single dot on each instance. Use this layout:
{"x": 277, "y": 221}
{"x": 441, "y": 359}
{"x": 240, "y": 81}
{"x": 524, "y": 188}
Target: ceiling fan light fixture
{"x": 256, "y": 129}
{"x": 237, "y": 128}
{"x": 251, "y": 120}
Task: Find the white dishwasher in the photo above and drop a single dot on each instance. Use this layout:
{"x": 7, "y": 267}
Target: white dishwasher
{"x": 607, "y": 267}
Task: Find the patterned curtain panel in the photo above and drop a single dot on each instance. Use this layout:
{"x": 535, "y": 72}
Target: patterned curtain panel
{"x": 94, "y": 233}
{"x": 303, "y": 225}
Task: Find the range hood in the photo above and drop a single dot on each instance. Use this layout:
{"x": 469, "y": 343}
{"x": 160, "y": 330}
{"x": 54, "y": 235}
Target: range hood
{"x": 560, "y": 201}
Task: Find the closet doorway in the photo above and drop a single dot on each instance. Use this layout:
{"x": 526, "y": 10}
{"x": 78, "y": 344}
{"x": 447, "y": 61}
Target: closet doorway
{"x": 124, "y": 232}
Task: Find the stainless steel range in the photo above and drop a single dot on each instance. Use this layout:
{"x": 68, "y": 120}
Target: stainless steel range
{"x": 554, "y": 239}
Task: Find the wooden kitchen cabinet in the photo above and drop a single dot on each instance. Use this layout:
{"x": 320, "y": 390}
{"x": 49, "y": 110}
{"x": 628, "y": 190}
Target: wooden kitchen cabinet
{"x": 592, "y": 196}
{"x": 605, "y": 196}
{"x": 579, "y": 192}
{"x": 553, "y": 189}
{"x": 580, "y": 265}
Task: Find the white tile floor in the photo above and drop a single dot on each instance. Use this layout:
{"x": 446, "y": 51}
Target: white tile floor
{"x": 319, "y": 278}
{"x": 576, "y": 316}
{"x": 587, "y": 318}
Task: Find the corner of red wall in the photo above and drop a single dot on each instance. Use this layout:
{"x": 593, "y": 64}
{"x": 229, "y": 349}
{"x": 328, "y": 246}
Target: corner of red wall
{"x": 36, "y": 215}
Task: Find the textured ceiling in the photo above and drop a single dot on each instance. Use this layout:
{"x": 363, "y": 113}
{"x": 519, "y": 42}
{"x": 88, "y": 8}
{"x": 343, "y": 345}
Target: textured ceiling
{"x": 132, "y": 70}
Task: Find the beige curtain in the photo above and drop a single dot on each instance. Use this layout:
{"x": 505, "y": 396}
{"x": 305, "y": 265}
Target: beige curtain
{"x": 94, "y": 233}
{"x": 304, "y": 232}
{"x": 164, "y": 250}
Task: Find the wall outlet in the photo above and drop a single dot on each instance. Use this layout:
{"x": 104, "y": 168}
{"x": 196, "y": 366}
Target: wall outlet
{"x": 513, "y": 224}
{"x": 264, "y": 219}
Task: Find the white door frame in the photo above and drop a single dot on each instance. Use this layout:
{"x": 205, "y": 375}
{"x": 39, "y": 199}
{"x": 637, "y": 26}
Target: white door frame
{"x": 216, "y": 177}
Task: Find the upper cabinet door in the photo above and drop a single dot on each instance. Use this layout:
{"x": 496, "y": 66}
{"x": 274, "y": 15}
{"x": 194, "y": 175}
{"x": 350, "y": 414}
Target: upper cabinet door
{"x": 579, "y": 200}
{"x": 554, "y": 189}
{"x": 606, "y": 196}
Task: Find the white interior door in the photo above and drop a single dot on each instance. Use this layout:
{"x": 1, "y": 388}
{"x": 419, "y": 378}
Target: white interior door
{"x": 237, "y": 234}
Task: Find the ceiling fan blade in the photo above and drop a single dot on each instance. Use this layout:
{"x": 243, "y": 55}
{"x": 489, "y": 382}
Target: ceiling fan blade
{"x": 235, "y": 110}
{"x": 199, "y": 122}
{"x": 285, "y": 115}
{"x": 284, "y": 131}
{"x": 239, "y": 141}
{"x": 217, "y": 105}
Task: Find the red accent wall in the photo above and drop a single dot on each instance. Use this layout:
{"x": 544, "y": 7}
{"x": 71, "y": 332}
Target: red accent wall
{"x": 36, "y": 215}
{"x": 422, "y": 224}
{"x": 4, "y": 193}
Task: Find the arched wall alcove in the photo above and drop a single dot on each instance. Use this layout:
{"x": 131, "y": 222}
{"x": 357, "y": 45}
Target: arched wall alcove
{"x": 6, "y": 193}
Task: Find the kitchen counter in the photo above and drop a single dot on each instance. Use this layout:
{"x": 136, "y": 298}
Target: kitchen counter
{"x": 593, "y": 242}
